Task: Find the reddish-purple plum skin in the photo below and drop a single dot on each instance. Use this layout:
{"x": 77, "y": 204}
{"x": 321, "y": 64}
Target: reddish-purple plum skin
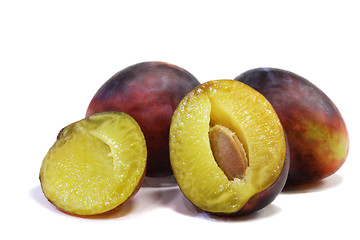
{"x": 316, "y": 131}
{"x": 149, "y": 92}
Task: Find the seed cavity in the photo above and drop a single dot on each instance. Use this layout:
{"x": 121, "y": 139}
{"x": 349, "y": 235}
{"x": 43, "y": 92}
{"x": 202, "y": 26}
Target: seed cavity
{"x": 228, "y": 152}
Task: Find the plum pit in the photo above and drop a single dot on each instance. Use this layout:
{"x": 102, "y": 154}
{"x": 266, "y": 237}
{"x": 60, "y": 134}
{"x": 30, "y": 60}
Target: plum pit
{"x": 228, "y": 152}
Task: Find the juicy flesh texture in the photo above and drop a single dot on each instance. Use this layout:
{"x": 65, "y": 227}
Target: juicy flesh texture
{"x": 246, "y": 113}
{"x": 95, "y": 165}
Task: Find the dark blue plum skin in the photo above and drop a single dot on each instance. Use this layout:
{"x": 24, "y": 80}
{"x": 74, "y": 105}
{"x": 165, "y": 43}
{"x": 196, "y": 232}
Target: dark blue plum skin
{"x": 149, "y": 92}
{"x": 315, "y": 129}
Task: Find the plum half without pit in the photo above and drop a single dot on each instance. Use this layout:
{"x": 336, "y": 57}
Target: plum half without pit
{"x": 95, "y": 165}
{"x": 228, "y": 150}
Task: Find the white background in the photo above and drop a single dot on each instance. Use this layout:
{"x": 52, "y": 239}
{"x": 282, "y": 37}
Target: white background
{"x": 54, "y": 55}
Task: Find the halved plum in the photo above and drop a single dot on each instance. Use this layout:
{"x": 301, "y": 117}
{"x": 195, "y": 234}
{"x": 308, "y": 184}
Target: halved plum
{"x": 228, "y": 150}
{"x": 95, "y": 165}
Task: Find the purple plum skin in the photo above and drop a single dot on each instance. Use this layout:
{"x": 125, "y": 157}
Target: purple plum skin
{"x": 149, "y": 92}
{"x": 315, "y": 129}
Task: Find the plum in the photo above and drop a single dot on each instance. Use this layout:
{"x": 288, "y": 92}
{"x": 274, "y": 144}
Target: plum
{"x": 228, "y": 149}
{"x": 315, "y": 129}
{"x": 149, "y": 92}
{"x": 96, "y": 164}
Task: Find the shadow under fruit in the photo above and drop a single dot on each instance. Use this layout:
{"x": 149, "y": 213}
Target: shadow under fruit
{"x": 149, "y": 92}
{"x": 315, "y": 129}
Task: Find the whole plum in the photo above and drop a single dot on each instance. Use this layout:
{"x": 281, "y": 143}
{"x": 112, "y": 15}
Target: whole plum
{"x": 149, "y": 92}
{"x": 315, "y": 129}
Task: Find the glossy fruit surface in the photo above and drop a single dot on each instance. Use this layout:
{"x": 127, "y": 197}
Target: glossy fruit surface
{"x": 241, "y": 121}
{"x": 95, "y": 165}
{"x": 315, "y": 129}
{"x": 149, "y": 92}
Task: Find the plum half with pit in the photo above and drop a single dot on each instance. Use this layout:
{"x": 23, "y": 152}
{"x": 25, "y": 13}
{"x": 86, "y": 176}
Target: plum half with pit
{"x": 315, "y": 129}
{"x": 149, "y": 92}
{"x": 95, "y": 165}
{"x": 228, "y": 150}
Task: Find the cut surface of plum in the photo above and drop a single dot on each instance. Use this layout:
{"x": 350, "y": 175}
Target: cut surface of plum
{"x": 248, "y": 116}
{"x": 95, "y": 165}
